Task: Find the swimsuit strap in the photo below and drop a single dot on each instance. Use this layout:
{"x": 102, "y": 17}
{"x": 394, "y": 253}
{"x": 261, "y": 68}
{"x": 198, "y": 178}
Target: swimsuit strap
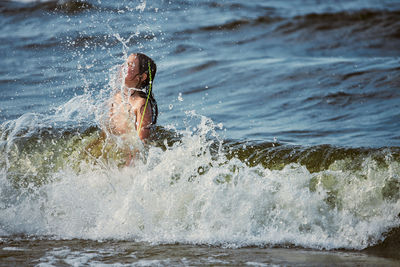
{"x": 143, "y": 93}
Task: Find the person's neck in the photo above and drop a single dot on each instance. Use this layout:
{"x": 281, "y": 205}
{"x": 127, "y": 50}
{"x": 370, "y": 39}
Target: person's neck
{"x": 131, "y": 91}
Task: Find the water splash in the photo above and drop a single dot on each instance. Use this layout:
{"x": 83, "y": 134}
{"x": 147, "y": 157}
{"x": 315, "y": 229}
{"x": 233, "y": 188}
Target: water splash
{"x": 189, "y": 189}
{"x": 141, "y": 6}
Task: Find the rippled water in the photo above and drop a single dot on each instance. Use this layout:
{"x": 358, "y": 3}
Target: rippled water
{"x": 278, "y": 134}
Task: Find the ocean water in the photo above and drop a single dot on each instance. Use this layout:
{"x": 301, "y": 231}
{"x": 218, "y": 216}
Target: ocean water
{"x": 277, "y": 143}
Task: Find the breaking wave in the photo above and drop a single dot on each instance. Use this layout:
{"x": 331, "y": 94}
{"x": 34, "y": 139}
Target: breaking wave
{"x": 191, "y": 186}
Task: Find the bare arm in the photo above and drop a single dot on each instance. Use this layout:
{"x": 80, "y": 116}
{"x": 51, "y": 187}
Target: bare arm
{"x": 143, "y": 129}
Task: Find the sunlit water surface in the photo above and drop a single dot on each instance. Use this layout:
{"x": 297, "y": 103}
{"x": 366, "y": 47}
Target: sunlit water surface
{"x": 277, "y": 140}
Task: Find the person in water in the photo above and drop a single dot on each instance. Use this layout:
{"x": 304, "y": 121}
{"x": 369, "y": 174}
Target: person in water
{"x": 128, "y": 106}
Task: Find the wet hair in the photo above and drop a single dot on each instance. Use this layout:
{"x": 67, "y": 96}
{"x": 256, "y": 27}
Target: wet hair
{"x": 144, "y": 68}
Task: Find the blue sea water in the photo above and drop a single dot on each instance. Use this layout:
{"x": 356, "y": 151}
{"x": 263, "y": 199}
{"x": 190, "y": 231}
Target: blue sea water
{"x": 278, "y": 127}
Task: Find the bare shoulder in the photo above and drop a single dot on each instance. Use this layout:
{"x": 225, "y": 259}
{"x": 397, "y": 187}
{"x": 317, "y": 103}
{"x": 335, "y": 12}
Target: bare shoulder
{"x": 116, "y": 98}
{"x": 137, "y": 102}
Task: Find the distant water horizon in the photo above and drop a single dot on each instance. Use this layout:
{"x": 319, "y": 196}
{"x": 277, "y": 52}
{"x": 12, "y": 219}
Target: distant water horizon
{"x": 278, "y": 133}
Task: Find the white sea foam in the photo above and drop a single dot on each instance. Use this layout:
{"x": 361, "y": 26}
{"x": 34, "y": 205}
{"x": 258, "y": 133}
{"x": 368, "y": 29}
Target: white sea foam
{"x": 165, "y": 199}
{"x": 187, "y": 194}
{"x": 141, "y": 7}
{"x": 72, "y": 258}
{"x": 32, "y": 1}
{"x": 13, "y": 249}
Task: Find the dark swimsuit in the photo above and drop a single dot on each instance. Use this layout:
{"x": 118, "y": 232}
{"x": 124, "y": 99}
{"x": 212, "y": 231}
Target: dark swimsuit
{"x": 153, "y": 103}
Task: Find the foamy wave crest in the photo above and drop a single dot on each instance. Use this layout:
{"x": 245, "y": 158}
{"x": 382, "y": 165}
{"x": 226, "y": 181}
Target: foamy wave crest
{"x": 189, "y": 191}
